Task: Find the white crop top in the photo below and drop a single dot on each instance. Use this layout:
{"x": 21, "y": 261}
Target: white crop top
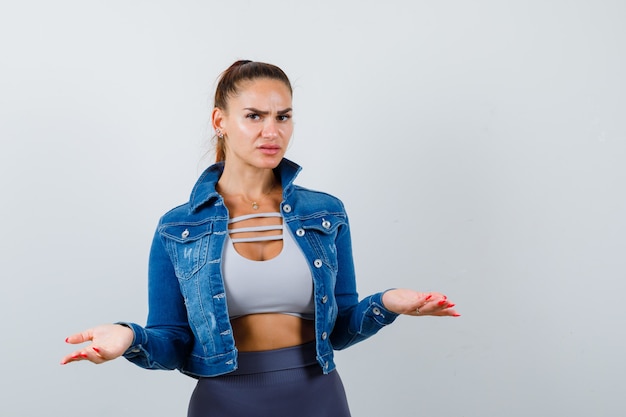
{"x": 282, "y": 284}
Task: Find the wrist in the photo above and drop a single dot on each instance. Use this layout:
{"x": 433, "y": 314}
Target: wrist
{"x": 385, "y": 297}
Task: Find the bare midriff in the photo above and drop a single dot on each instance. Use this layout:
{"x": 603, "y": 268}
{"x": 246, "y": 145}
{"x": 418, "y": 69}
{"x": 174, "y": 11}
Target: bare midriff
{"x": 256, "y": 332}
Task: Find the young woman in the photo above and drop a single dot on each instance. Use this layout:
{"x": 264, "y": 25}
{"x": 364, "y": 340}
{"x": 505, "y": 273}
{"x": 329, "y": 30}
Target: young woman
{"x": 251, "y": 282}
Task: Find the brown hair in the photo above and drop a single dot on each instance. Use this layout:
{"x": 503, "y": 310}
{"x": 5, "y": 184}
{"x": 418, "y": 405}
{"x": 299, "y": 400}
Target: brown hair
{"x": 230, "y": 81}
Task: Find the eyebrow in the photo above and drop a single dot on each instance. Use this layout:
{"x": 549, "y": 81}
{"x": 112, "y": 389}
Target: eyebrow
{"x": 265, "y": 113}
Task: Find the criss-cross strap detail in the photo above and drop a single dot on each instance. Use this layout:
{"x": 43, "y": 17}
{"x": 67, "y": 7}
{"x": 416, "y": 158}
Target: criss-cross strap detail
{"x": 255, "y": 229}
{"x": 253, "y": 216}
{"x": 256, "y": 239}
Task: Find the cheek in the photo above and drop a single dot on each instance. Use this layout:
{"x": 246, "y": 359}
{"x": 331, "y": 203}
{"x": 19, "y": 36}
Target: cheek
{"x": 246, "y": 129}
{"x": 287, "y": 130}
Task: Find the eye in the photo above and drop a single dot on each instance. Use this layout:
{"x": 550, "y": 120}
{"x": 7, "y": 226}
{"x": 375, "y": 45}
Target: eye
{"x": 283, "y": 117}
{"x": 253, "y": 116}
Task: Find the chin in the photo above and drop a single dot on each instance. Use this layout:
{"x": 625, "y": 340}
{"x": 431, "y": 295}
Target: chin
{"x": 270, "y": 163}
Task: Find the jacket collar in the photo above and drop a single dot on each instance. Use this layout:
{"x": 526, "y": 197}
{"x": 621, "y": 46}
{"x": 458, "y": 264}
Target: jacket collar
{"x": 204, "y": 190}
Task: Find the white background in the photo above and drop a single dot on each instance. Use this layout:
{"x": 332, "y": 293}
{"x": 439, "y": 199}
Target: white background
{"x": 479, "y": 147}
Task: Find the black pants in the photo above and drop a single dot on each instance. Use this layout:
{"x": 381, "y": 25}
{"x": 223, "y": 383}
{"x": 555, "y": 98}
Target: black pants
{"x": 277, "y": 383}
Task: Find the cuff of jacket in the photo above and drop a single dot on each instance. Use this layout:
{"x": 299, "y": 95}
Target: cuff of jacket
{"x": 379, "y": 312}
{"x": 139, "y": 340}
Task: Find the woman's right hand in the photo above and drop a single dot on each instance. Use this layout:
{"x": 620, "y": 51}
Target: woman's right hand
{"x": 108, "y": 341}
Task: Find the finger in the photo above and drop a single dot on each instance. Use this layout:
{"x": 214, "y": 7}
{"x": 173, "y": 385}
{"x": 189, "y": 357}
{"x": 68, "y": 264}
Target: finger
{"x": 426, "y": 299}
{"x": 438, "y": 305}
{"x": 81, "y": 337}
{"x": 431, "y": 301}
{"x": 445, "y": 304}
{"x": 448, "y": 311}
{"x": 67, "y": 359}
{"x": 91, "y": 354}
{"x": 442, "y": 301}
{"x": 74, "y": 357}
{"x": 99, "y": 355}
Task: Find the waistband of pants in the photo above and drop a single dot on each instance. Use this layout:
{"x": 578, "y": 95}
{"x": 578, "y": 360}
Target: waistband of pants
{"x": 275, "y": 360}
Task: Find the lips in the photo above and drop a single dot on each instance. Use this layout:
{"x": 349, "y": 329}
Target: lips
{"x": 269, "y": 149}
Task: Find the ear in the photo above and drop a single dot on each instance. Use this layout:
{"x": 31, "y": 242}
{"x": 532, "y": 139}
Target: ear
{"x": 217, "y": 119}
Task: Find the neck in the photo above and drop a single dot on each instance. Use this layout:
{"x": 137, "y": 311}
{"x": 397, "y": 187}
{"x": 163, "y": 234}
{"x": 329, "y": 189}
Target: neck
{"x": 251, "y": 185}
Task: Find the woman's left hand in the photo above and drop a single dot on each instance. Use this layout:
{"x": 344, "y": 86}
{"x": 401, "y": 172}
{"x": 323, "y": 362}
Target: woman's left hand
{"x": 414, "y": 303}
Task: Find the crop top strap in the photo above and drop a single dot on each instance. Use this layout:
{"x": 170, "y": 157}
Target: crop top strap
{"x": 264, "y": 228}
{"x": 256, "y": 239}
{"x": 253, "y": 216}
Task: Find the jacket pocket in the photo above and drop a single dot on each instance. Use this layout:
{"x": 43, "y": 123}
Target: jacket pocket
{"x": 187, "y": 245}
{"x": 321, "y": 233}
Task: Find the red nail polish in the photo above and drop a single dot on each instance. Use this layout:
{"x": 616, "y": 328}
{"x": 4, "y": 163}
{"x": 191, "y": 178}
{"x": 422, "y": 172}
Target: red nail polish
{"x": 74, "y": 356}
{"x": 442, "y": 302}
{"x": 456, "y": 315}
{"x": 84, "y": 355}
{"x": 429, "y": 297}
{"x": 67, "y": 339}
{"x": 451, "y": 305}
{"x": 96, "y": 349}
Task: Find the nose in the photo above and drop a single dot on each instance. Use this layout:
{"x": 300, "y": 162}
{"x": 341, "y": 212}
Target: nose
{"x": 270, "y": 129}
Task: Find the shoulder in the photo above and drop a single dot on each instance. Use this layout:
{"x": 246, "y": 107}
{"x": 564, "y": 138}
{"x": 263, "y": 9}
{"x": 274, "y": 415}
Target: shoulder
{"x": 317, "y": 200}
{"x": 176, "y": 214}
{"x": 185, "y": 213}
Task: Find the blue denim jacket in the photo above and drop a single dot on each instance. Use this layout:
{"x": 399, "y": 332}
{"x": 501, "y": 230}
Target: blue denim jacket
{"x": 188, "y": 326}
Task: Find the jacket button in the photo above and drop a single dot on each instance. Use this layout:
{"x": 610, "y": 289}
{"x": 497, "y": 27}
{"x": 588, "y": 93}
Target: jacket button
{"x": 300, "y": 232}
{"x": 185, "y": 234}
{"x": 324, "y": 299}
{"x": 376, "y": 311}
{"x": 324, "y": 336}
{"x": 317, "y": 263}
{"x": 326, "y": 224}
{"x": 287, "y": 208}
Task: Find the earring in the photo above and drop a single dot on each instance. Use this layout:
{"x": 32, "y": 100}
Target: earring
{"x": 219, "y": 134}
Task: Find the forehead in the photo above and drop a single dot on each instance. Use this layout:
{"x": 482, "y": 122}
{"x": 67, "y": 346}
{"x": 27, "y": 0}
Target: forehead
{"x": 263, "y": 91}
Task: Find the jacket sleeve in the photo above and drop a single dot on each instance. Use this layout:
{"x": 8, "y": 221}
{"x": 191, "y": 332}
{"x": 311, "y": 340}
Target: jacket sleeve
{"x": 166, "y": 339}
{"x": 356, "y": 320}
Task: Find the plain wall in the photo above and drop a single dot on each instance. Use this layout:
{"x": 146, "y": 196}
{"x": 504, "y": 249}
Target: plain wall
{"x": 479, "y": 147}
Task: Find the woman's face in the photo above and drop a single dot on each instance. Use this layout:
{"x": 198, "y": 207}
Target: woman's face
{"x": 257, "y": 123}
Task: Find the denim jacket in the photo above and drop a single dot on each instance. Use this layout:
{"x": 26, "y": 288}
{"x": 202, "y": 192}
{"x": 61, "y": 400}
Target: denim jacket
{"x": 188, "y": 327}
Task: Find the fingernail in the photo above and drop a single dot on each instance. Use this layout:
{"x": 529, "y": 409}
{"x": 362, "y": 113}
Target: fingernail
{"x": 451, "y": 305}
{"x": 429, "y": 297}
{"x": 84, "y": 355}
{"x": 74, "y": 356}
{"x": 96, "y": 349}
{"x": 442, "y": 302}
{"x": 456, "y": 315}
{"x": 67, "y": 339}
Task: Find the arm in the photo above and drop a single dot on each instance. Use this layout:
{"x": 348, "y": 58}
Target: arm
{"x": 358, "y": 320}
{"x": 165, "y": 340}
